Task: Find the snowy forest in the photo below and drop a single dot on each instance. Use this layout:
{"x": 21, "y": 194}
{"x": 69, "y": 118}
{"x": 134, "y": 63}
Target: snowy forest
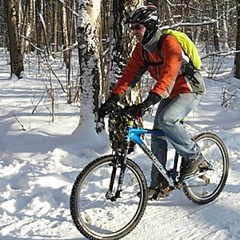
{"x": 59, "y": 61}
{"x": 93, "y": 43}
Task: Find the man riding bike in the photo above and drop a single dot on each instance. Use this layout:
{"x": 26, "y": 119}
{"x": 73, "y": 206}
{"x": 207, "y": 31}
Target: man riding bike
{"x": 174, "y": 92}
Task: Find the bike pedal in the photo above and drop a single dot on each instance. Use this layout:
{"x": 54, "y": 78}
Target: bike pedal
{"x": 162, "y": 194}
{"x": 203, "y": 167}
{"x": 205, "y": 179}
{"x": 156, "y": 196}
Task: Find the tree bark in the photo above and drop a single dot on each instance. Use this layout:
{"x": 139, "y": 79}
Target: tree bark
{"x": 55, "y": 28}
{"x": 237, "y": 60}
{"x": 89, "y": 49}
{"x": 65, "y": 31}
{"x": 14, "y": 41}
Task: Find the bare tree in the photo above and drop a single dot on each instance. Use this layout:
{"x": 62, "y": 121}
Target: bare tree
{"x": 55, "y": 29}
{"x": 15, "y": 49}
{"x": 237, "y": 60}
{"x": 50, "y": 26}
{"x": 66, "y": 40}
{"x": 116, "y": 43}
{"x": 216, "y": 31}
{"x": 128, "y": 44}
{"x": 89, "y": 49}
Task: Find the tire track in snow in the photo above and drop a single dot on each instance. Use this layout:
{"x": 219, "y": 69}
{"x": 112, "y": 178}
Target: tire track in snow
{"x": 177, "y": 218}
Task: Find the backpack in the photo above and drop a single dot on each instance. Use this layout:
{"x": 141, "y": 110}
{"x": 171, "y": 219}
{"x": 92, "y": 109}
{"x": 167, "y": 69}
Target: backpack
{"x": 187, "y": 46}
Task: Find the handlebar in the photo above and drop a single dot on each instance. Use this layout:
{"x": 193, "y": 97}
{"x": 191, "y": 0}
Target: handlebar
{"x": 117, "y": 113}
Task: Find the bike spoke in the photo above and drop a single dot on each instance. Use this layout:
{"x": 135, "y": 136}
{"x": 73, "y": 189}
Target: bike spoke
{"x": 215, "y": 153}
{"x": 103, "y": 217}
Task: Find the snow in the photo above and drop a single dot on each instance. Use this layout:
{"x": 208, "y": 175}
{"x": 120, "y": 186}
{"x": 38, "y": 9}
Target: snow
{"x": 39, "y": 161}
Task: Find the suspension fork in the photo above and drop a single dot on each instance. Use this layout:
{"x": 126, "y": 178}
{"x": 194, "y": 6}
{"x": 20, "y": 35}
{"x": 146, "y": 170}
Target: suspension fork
{"x": 174, "y": 172}
{"x": 120, "y": 160}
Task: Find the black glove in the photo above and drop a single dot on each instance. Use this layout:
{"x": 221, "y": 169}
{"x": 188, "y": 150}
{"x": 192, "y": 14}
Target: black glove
{"x": 110, "y": 104}
{"x": 139, "y": 110}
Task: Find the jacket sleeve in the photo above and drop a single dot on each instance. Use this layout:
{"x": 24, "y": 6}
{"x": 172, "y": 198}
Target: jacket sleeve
{"x": 132, "y": 73}
{"x": 172, "y": 61}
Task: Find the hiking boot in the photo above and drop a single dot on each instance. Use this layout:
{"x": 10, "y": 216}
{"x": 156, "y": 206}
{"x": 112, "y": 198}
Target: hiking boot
{"x": 156, "y": 193}
{"x": 152, "y": 193}
{"x": 189, "y": 167}
{"x": 164, "y": 192}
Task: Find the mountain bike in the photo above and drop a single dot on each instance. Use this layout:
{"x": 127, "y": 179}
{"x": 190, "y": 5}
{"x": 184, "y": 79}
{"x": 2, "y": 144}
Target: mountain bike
{"x": 109, "y": 196}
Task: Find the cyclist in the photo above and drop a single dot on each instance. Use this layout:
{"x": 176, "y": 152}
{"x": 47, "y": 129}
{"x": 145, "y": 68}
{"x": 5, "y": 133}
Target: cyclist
{"x": 176, "y": 94}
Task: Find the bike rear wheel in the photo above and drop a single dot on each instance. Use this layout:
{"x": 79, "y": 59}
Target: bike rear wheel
{"x": 93, "y": 213}
{"x": 207, "y": 186}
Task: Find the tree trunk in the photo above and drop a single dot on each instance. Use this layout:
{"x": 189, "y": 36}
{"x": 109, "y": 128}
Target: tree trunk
{"x": 88, "y": 46}
{"x": 55, "y": 29}
{"x": 237, "y": 60}
{"x": 39, "y": 31}
{"x": 224, "y": 27}
{"x": 116, "y": 43}
{"x": 135, "y": 95}
{"x": 65, "y": 31}
{"x": 216, "y": 26}
{"x": 24, "y": 25}
{"x": 15, "y": 54}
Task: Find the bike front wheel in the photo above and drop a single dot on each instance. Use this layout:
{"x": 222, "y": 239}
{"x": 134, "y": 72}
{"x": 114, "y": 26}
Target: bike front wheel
{"x": 207, "y": 185}
{"x": 99, "y": 216}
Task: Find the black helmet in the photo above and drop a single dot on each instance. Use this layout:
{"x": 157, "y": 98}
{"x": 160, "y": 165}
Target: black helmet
{"x": 147, "y": 16}
{"x": 143, "y": 15}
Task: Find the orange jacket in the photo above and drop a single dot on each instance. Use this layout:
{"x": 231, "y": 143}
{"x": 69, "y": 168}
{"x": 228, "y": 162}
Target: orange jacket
{"x": 169, "y": 80}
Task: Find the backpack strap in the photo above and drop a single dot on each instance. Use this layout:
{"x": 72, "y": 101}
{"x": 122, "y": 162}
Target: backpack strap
{"x": 186, "y": 68}
{"x": 145, "y": 53}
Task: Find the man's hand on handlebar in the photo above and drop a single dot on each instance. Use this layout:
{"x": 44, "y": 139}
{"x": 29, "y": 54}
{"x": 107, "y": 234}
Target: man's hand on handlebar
{"x": 108, "y": 106}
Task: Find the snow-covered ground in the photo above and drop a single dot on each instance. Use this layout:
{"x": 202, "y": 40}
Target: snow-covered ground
{"x": 39, "y": 161}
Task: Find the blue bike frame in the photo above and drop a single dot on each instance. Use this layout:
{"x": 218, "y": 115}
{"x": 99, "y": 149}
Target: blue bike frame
{"x": 134, "y": 135}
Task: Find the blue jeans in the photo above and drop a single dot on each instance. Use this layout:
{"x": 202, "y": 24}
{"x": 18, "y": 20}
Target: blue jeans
{"x": 168, "y": 115}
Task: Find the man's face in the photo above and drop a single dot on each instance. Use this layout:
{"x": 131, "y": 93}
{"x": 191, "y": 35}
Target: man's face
{"x": 138, "y": 31}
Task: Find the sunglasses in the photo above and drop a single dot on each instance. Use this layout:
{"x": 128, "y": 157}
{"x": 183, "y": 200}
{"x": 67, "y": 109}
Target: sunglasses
{"x": 136, "y": 27}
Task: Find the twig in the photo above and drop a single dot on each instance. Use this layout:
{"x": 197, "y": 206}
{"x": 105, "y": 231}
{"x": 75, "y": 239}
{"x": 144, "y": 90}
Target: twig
{"x": 23, "y": 128}
{"x": 35, "y": 108}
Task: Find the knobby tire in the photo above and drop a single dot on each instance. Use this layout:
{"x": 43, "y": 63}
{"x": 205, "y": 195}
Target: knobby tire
{"x": 215, "y": 152}
{"x": 97, "y": 217}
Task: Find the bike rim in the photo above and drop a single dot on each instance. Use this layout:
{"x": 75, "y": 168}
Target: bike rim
{"x": 102, "y": 218}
